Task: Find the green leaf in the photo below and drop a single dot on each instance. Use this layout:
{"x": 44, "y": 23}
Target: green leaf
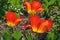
{"x": 29, "y": 36}
{"x": 6, "y": 35}
{"x": 17, "y": 35}
{"x": 15, "y": 3}
{"x": 58, "y": 2}
{"x": 51, "y": 2}
{"x": 46, "y": 1}
{"x": 50, "y": 36}
{"x": 59, "y": 37}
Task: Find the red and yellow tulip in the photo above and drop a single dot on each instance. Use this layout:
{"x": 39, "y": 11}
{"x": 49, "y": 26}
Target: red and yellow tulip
{"x": 38, "y": 25}
{"x": 33, "y": 7}
{"x": 11, "y": 19}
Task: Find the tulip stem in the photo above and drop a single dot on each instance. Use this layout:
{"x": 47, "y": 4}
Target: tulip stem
{"x": 37, "y": 37}
{"x": 11, "y": 29}
{"x": 42, "y": 36}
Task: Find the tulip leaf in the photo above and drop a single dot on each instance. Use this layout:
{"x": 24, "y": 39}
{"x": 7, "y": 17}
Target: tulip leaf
{"x": 15, "y": 3}
{"x": 58, "y": 2}
{"x": 51, "y": 2}
{"x": 59, "y": 37}
{"x": 6, "y": 35}
{"x": 17, "y": 35}
{"x": 3, "y": 7}
{"x": 29, "y": 36}
{"x": 50, "y": 36}
{"x": 46, "y": 1}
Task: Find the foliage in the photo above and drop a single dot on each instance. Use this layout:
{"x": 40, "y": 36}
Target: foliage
{"x": 29, "y": 36}
{"x": 7, "y": 35}
{"x": 17, "y": 35}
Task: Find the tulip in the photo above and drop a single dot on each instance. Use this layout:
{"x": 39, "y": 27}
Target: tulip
{"x": 11, "y": 19}
{"x": 33, "y": 7}
{"x": 38, "y": 25}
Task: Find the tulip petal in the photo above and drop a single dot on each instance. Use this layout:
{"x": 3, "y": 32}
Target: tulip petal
{"x": 35, "y": 5}
{"x": 18, "y": 20}
{"x": 40, "y": 9}
{"x": 42, "y": 28}
{"x": 34, "y": 20}
{"x": 10, "y": 15}
{"x": 27, "y": 6}
{"x": 45, "y": 25}
{"x": 26, "y": 26}
{"x": 50, "y": 23}
{"x": 11, "y": 24}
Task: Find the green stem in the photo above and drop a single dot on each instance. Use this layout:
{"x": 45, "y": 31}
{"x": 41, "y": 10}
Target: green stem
{"x": 11, "y": 29}
{"x": 37, "y": 36}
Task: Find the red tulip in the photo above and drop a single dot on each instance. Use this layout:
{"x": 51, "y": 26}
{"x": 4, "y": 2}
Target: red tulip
{"x": 33, "y": 7}
{"x": 12, "y": 19}
{"x": 38, "y": 25}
